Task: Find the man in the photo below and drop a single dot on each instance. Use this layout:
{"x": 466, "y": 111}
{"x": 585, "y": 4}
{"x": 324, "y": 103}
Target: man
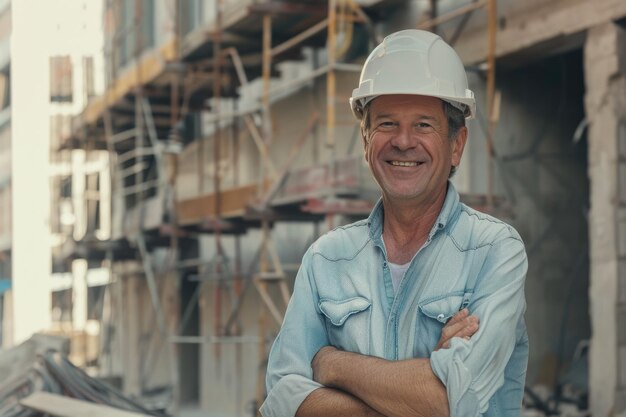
{"x": 418, "y": 310}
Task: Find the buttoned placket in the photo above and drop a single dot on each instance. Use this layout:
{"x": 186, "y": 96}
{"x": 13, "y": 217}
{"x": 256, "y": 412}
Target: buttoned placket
{"x": 396, "y": 299}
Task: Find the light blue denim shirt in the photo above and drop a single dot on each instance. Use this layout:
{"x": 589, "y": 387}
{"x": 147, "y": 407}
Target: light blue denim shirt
{"x": 343, "y": 296}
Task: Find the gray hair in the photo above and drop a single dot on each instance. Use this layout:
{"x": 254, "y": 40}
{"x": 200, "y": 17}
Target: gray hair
{"x": 455, "y": 117}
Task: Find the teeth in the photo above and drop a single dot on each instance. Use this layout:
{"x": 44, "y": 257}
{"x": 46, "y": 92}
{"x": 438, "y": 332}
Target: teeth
{"x": 404, "y": 164}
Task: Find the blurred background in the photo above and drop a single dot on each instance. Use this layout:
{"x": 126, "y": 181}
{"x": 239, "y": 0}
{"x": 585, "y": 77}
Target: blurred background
{"x": 164, "y": 165}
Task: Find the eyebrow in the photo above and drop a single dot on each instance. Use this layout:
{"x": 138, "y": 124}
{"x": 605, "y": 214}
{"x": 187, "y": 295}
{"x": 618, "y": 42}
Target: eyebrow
{"x": 421, "y": 117}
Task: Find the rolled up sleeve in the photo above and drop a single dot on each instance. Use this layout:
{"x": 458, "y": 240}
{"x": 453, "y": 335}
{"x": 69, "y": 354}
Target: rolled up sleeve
{"x": 289, "y": 374}
{"x": 473, "y": 370}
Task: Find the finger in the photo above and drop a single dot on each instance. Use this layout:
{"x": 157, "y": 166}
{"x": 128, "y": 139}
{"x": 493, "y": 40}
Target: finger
{"x": 454, "y": 324}
{"x": 454, "y": 327}
{"x": 466, "y": 327}
{"x": 471, "y": 327}
{"x": 460, "y": 315}
{"x": 461, "y": 325}
{"x": 466, "y": 333}
{"x": 468, "y": 330}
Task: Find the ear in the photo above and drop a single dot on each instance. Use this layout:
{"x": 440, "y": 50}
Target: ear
{"x": 458, "y": 145}
{"x": 365, "y": 145}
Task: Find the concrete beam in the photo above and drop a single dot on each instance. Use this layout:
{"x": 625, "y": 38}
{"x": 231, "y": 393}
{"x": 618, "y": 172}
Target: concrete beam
{"x": 537, "y": 24}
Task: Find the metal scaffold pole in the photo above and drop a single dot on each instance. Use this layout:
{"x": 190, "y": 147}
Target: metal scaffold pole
{"x": 330, "y": 77}
{"x": 491, "y": 95}
{"x": 217, "y": 139}
{"x": 263, "y": 265}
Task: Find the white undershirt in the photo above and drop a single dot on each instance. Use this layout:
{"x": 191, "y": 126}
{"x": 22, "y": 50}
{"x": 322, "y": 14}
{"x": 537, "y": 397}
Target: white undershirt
{"x": 397, "y": 273}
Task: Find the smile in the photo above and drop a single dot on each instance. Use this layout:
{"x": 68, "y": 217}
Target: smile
{"x": 405, "y": 163}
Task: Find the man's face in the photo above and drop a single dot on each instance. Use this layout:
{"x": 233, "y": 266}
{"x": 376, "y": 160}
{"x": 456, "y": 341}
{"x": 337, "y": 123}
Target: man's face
{"x": 408, "y": 149}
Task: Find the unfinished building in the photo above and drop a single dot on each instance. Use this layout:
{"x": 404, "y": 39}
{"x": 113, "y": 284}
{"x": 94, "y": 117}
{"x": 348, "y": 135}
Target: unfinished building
{"x": 223, "y": 146}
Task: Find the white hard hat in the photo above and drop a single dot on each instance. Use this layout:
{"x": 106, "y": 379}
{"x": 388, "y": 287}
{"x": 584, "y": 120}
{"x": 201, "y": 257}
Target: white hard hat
{"x": 414, "y": 62}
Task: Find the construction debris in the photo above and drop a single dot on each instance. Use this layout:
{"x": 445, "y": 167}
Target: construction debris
{"x": 13, "y": 361}
{"x": 52, "y": 385}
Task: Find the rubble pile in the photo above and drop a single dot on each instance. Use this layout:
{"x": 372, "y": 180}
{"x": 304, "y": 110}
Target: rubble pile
{"x": 53, "y": 373}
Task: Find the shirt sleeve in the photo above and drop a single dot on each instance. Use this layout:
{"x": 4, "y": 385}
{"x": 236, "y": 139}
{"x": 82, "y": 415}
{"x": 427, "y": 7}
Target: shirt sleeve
{"x": 303, "y": 332}
{"x": 473, "y": 370}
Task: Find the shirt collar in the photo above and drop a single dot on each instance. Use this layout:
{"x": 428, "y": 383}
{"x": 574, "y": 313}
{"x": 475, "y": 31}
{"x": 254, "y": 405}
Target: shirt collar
{"x": 448, "y": 210}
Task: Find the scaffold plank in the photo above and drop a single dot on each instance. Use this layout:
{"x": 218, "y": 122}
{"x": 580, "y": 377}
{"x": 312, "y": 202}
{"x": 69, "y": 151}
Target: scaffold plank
{"x": 58, "y": 405}
{"x": 147, "y": 69}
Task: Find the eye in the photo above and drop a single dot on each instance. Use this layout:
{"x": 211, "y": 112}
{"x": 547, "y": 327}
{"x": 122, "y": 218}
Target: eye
{"x": 386, "y": 124}
{"x": 422, "y": 125}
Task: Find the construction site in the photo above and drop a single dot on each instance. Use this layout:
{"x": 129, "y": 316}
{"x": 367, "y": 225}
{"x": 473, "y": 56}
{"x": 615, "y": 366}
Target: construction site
{"x": 164, "y": 166}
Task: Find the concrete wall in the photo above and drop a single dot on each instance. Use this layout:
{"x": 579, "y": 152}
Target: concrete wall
{"x": 232, "y": 372}
{"x": 541, "y": 173}
{"x": 290, "y": 116}
{"x": 131, "y": 347}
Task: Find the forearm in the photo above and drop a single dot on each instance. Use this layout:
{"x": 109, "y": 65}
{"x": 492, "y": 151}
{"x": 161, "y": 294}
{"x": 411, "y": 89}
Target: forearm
{"x": 393, "y": 388}
{"x": 332, "y": 402}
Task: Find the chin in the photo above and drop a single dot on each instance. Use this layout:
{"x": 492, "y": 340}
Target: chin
{"x": 403, "y": 195}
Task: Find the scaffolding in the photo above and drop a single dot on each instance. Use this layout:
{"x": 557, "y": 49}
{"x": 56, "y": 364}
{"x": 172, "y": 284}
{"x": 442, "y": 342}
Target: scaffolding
{"x": 140, "y": 122}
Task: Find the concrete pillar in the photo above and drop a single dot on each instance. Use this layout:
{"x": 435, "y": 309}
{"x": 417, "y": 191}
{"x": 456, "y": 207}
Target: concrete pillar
{"x": 207, "y": 378}
{"x": 131, "y": 322}
{"x": 605, "y": 106}
{"x": 79, "y": 294}
{"x": 30, "y": 129}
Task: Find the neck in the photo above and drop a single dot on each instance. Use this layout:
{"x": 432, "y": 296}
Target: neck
{"x": 406, "y": 226}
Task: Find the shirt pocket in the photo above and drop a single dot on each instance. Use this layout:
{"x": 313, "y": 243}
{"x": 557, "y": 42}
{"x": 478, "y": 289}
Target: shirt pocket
{"x": 348, "y": 323}
{"x": 433, "y": 314}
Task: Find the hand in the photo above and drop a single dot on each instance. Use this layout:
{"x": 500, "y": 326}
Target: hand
{"x": 460, "y": 325}
{"x": 322, "y": 369}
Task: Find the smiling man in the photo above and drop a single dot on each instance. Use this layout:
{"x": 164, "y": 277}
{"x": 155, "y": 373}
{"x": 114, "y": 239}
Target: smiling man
{"x": 417, "y": 310}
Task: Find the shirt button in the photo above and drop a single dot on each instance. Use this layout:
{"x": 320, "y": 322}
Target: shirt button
{"x": 440, "y": 317}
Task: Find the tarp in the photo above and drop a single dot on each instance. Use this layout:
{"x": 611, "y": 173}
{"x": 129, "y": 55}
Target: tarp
{"x": 5, "y": 285}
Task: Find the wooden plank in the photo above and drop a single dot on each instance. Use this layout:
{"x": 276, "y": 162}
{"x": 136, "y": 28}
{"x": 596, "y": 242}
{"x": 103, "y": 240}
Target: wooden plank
{"x": 287, "y": 8}
{"x": 200, "y": 36}
{"x": 60, "y": 406}
{"x": 233, "y": 204}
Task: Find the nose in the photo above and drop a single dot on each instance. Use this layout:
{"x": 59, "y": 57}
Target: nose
{"x": 403, "y": 138}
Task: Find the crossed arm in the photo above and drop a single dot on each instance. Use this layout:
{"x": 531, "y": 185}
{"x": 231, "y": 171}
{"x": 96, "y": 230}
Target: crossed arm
{"x": 359, "y": 385}
{"x": 356, "y": 385}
